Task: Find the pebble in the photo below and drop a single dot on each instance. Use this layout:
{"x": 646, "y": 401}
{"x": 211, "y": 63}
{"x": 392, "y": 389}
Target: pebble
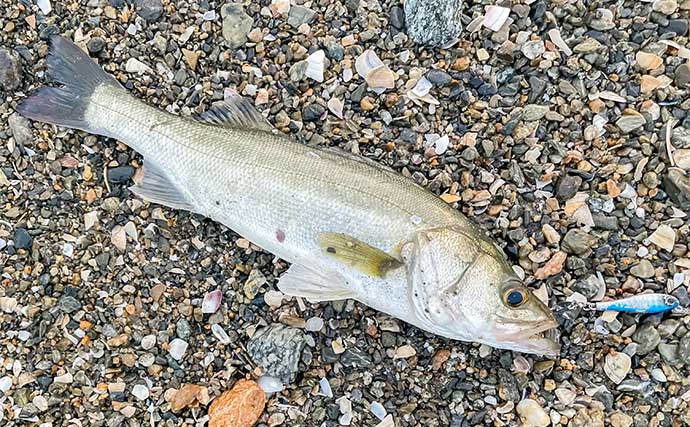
{"x": 630, "y": 122}
{"x": 211, "y": 302}
{"x": 150, "y": 10}
{"x": 120, "y": 174}
{"x": 277, "y": 349}
{"x": 10, "y": 70}
{"x": 532, "y": 414}
{"x": 578, "y": 241}
{"x": 313, "y": 324}
{"x": 313, "y": 112}
{"x": 439, "y": 77}
{"x": 683, "y": 350}
{"x": 21, "y": 129}
{"x": 433, "y": 22}
{"x": 664, "y": 237}
{"x": 140, "y": 391}
{"x": 236, "y": 24}
{"x": 647, "y": 338}
{"x": 643, "y": 269}
{"x": 178, "y": 348}
{"x": 299, "y": 15}
{"x": 682, "y": 76}
{"x": 22, "y": 239}
{"x": 148, "y": 342}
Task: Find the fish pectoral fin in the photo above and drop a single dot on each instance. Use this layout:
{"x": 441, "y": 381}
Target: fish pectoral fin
{"x": 235, "y": 112}
{"x": 316, "y": 286}
{"x": 156, "y": 188}
{"x": 357, "y": 254}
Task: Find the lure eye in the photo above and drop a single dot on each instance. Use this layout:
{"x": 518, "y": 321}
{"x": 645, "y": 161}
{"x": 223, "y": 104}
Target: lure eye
{"x": 514, "y": 297}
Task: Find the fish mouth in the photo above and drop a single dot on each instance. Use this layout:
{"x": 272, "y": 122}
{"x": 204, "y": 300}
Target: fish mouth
{"x": 531, "y": 338}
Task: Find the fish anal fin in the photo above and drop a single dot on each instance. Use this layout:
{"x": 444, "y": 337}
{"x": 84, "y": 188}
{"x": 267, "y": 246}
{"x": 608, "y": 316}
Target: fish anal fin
{"x": 316, "y": 286}
{"x": 235, "y": 112}
{"x": 357, "y": 254}
{"x": 157, "y": 188}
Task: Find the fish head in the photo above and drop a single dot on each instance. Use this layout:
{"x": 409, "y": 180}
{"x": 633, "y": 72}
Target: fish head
{"x": 464, "y": 288}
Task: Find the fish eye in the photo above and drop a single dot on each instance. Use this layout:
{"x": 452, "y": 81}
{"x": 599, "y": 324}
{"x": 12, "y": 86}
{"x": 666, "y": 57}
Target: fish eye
{"x": 515, "y": 297}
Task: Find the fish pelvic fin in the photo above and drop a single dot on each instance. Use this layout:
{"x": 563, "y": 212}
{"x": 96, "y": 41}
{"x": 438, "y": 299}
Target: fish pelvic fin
{"x": 314, "y": 285}
{"x": 157, "y": 188}
{"x": 358, "y": 255}
{"x": 77, "y": 77}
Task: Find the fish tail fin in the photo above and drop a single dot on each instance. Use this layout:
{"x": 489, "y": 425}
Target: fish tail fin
{"x": 78, "y": 77}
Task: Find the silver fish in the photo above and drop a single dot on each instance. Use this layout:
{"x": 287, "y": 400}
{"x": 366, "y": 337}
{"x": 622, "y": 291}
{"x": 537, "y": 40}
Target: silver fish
{"x": 350, "y": 227}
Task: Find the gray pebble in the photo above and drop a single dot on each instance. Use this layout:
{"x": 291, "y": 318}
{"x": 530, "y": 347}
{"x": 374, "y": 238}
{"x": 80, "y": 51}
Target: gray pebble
{"x": 22, "y": 239}
{"x": 10, "y": 70}
{"x": 150, "y": 10}
{"x": 647, "y": 338}
{"x": 299, "y": 15}
{"x": 277, "y": 349}
{"x": 236, "y": 24}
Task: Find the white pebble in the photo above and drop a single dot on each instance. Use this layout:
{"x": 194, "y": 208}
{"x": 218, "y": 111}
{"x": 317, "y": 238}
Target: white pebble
{"x": 325, "y": 387}
{"x": 378, "y": 410}
{"x": 45, "y": 6}
{"x": 5, "y": 384}
{"x": 24, "y": 335}
{"x": 68, "y": 250}
{"x": 140, "y": 391}
{"x": 148, "y": 342}
{"x": 133, "y": 65}
{"x": 40, "y": 403}
{"x": 220, "y": 334}
{"x": 178, "y": 348}
{"x": 441, "y": 144}
{"x": 274, "y": 298}
{"x": 132, "y": 29}
{"x": 64, "y": 379}
{"x": 313, "y": 324}
{"x": 387, "y": 422}
{"x": 8, "y": 304}
{"x": 270, "y": 384}
{"x": 210, "y": 15}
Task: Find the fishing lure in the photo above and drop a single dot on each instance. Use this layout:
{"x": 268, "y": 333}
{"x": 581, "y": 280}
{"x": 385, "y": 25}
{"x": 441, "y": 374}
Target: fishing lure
{"x": 640, "y": 304}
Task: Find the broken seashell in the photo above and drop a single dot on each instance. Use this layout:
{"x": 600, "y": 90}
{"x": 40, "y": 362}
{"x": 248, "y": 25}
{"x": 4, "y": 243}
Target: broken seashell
{"x": 495, "y": 17}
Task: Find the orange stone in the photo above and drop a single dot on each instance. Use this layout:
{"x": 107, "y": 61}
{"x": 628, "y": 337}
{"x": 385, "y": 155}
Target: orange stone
{"x": 240, "y": 406}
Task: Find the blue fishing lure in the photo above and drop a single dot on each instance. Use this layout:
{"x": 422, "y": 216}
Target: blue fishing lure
{"x": 640, "y": 304}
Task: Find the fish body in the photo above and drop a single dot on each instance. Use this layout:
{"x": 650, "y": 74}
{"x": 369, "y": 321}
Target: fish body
{"x": 641, "y": 304}
{"x": 350, "y": 227}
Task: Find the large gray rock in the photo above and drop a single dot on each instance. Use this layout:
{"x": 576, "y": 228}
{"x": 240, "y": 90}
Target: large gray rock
{"x": 433, "y": 22}
{"x": 10, "y": 71}
{"x": 277, "y": 350}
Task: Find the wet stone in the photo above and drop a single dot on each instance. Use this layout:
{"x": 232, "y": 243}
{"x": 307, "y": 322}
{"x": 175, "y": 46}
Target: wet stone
{"x": 684, "y": 349}
{"x": 277, "y": 349}
{"x": 397, "y": 18}
{"x": 644, "y": 269}
{"x": 356, "y": 358}
{"x": 22, "y": 239}
{"x": 682, "y": 76}
{"x": 313, "y": 112}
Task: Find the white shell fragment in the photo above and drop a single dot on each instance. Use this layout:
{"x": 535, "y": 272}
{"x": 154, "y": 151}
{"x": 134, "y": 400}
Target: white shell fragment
{"x": 133, "y": 65}
{"x": 316, "y": 65}
{"x": 664, "y": 237}
{"x": 617, "y": 366}
{"x": 387, "y": 422}
{"x": 555, "y": 36}
{"x": 495, "y": 17}
{"x": 211, "y": 302}
{"x": 377, "y": 75}
{"x": 335, "y": 106}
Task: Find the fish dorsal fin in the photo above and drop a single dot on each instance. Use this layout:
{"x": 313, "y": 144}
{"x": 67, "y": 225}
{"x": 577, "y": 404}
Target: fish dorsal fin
{"x": 357, "y": 254}
{"x": 314, "y": 285}
{"x": 235, "y": 112}
{"x": 157, "y": 188}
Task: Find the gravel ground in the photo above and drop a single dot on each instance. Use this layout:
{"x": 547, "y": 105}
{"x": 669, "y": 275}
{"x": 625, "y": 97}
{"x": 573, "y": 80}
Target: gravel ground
{"x": 565, "y": 132}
